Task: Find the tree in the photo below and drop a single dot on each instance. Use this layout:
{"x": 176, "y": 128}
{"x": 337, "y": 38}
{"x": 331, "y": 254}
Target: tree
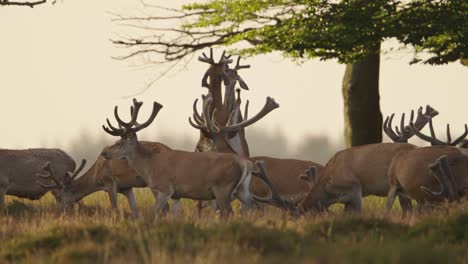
{"x": 19, "y": 3}
{"x": 348, "y": 30}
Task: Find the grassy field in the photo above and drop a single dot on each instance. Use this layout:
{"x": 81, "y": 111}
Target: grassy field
{"x": 35, "y": 232}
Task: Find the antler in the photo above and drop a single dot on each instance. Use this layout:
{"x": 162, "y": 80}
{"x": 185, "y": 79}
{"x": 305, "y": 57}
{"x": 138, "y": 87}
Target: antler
{"x": 441, "y": 171}
{"x": 224, "y": 59}
{"x": 404, "y": 133}
{"x": 133, "y": 126}
{"x": 204, "y": 121}
{"x": 205, "y": 58}
{"x": 434, "y": 140}
{"x": 275, "y": 198}
{"x": 50, "y": 176}
{"x": 72, "y": 175}
{"x": 269, "y": 106}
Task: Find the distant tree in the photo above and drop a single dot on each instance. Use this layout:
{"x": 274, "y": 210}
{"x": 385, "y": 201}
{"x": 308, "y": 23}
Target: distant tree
{"x": 349, "y": 30}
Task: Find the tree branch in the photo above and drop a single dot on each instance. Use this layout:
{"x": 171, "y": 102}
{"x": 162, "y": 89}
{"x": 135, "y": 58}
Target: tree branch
{"x": 30, "y": 4}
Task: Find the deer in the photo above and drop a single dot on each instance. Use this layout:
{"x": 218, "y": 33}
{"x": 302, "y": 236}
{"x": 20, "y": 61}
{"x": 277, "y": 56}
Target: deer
{"x": 213, "y": 79}
{"x": 111, "y": 176}
{"x": 19, "y": 168}
{"x": 443, "y": 165}
{"x": 283, "y": 172}
{"x": 356, "y": 172}
{"x": 181, "y": 174}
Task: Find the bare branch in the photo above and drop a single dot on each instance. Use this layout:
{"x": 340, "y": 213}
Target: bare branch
{"x": 30, "y": 4}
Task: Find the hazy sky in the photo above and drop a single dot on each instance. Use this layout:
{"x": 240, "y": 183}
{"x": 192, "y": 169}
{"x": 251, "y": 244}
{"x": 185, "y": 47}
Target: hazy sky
{"x": 57, "y": 77}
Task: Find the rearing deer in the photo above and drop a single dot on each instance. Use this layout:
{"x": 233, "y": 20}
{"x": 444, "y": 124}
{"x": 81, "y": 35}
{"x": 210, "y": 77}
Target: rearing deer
{"x": 283, "y": 172}
{"x": 181, "y": 174}
{"x": 218, "y": 73}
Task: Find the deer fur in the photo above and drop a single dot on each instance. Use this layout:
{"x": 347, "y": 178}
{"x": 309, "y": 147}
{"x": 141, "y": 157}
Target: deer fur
{"x": 352, "y": 174}
{"x": 410, "y": 175}
{"x": 111, "y": 176}
{"x": 19, "y": 168}
{"x": 217, "y": 74}
{"x": 181, "y": 174}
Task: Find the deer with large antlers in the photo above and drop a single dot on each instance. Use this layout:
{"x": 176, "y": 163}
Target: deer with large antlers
{"x": 18, "y": 169}
{"x": 111, "y": 176}
{"x": 217, "y": 74}
{"x": 354, "y": 173}
{"x": 414, "y": 173}
{"x": 283, "y": 172}
{"x": 180, "y": 174}
{"x": 429, "y": 175}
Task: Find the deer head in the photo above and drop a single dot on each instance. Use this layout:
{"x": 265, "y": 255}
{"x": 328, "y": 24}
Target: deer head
{"x": 222, "y": 135}
{"x": 126, "y": 147}
{"x": 403, "y": 133}
{"x": 232, "y": 79}
{"x": 217, "y": 71}
{"x": 58, "y": 185}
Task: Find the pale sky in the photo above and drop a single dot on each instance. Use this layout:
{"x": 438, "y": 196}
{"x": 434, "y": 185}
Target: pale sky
{"x": 57, "y": 77}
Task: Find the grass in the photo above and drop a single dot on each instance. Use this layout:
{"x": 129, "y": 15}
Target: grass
{"x": 34, "y": 231}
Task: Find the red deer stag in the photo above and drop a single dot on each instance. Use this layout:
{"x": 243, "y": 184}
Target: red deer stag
{"x": 354, "y": 173}
{"x": 415, "y": 172}
{"x": 181, "y": 174}
{"x": 111, "y": 176}
{"x": 283, "y": 172}
{"x": 213, "y": 79}
{"x": 19, "y": 168}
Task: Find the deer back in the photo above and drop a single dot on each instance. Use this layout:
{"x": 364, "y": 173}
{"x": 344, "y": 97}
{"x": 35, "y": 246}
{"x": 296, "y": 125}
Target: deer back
{"x": 411, "y": 170}
{"x": 284, "y": 174}
{"x": 19, "y": 169}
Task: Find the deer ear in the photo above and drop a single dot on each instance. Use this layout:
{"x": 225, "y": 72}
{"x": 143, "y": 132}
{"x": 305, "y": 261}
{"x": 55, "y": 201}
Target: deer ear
{"x": 204, "y": 82}
{"x": 242, "y": 84}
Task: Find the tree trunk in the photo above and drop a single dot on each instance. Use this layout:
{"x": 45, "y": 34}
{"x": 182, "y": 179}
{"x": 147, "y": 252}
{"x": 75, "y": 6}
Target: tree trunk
{"x": 363, "y": 119}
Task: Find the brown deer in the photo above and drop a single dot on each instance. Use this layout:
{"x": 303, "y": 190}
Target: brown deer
{"x": 181, "y": 174}
{"x": 283, "y": 172}
{"x": 213, "y": 79}
{"x": 111, "y": 176}
{"x": 414, "y": 173}
{"x": 18, "y": 169}
{"x": 354, "y": 173}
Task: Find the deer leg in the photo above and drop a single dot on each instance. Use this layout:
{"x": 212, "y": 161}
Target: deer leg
{"x": 112, "y": 192}
{"x": 223, "y": 201}
{"x": 354, "y": 204}
{"x": 131, "y": 201}
{"x": 406, "y": 205}
{"x": 162, "y": 197}
{"x": 3, "y": 191}
{"x": 175, "y": 207}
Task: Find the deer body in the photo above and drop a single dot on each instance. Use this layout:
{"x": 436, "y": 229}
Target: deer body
{"x": 410, "y": 174}
{"x": 284, "y": 174}
{"x": 18, "y": 169}
{"x": 352, "y": 174}
{"x": 180, "y": 174}
{"x": 111, "y": 176}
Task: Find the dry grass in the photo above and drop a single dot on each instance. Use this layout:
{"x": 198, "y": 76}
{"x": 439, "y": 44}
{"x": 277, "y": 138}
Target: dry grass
{"x": 35, "y": 232}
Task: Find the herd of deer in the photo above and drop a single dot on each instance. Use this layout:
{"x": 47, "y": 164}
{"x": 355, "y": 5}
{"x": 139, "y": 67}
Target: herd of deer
{"x": 221, "y": 168}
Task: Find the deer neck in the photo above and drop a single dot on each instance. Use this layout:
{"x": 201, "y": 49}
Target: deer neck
{"x": 138, "y": 158}
{"x": 84, "y": 185}
{"x": 229, "y": 96}
{"x": 215, "y": 91}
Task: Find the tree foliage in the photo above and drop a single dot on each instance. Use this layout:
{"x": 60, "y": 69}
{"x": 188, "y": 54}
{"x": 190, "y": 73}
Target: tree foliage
{"x": 304, "y": 29}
